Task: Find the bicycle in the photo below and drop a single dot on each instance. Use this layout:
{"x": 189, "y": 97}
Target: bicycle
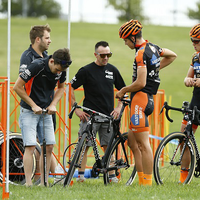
{"x": 123, "y": 164}
{"x": 169, "y": 154}
{"x": 16, "y": 152}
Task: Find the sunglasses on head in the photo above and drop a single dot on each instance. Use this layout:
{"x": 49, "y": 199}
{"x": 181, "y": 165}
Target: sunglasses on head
{"x": 195, "y": 41}
{"x": 65, "y": 63}
{"x": 102, "y": 55}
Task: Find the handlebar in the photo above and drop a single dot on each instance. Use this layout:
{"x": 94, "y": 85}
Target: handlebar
{"x": 185, "y": 110}
{"x": 73, "y": 109}
{"x": 124, "y": 100}
{"x": 88, "y": 110}
{"x": 44, "y": 111}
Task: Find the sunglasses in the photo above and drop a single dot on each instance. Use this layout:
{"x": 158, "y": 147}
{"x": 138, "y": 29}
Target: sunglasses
{"x": 195, "y": 41}
{"x": 65, "y": 63}
{"x": 104, "y": 55}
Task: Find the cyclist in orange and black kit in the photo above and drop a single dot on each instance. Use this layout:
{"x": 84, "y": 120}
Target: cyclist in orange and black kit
{"x": 145, "y": 84}
{"x": 192, "y": 80}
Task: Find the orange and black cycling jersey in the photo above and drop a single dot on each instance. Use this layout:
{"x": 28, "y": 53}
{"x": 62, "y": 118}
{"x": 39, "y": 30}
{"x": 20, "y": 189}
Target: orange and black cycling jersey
{"x": 196, "y": 92}
{"x": 148, "y": 55}
{"x": 196, "y": 66}
{"x": 42, "y": 81}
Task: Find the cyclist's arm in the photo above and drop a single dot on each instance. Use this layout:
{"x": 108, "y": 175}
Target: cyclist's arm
{"x": 168, "y": 57}
{"x": 82, "y": 115}
{"x": 137, "y": 85}
{"x": 189, "y": 79}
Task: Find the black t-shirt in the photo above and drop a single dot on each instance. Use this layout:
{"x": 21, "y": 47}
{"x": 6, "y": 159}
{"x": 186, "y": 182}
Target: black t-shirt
{"x": 42, "y": 82}
{"x": 98, "y": 82}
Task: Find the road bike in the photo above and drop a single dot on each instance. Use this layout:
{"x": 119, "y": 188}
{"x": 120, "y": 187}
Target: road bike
{"x": 118, "y": 156}
{"x": 169, "y": 154}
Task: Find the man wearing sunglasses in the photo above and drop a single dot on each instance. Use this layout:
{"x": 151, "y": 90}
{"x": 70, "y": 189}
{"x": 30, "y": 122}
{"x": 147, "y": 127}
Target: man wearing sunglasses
{"x": 145, "y": 84}
{"x": 192, "y": 80}
{"x": 44, "y": 75}
{"x": 98, "y": 79}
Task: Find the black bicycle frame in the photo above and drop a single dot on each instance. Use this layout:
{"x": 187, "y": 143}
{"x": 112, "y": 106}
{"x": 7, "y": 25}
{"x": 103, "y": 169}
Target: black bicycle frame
{"x": 116, "y": 133}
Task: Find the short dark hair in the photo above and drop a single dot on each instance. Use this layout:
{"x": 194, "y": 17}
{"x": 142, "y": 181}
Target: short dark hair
{"x": 62, "y": 57}
{"x": 101, "y": 43}
{"x": 38, "y": 31}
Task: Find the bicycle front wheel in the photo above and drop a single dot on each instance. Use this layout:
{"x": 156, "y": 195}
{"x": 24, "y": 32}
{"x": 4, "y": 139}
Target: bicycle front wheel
{"x": 68, "y": 155}
{"x": 125, "y": 172}
{"x": 167, "y": 161}
{"x": 76, "y": 160}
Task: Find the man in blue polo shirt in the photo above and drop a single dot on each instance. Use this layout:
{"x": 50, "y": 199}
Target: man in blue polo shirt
{"x": 42, "y": 76}
{"x": 40, "y": 41}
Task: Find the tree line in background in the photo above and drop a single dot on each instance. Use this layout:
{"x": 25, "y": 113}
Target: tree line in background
{"x": 194, "y": 14}
{"x": 128, "y": 9}
{"x": 32, "y": 8}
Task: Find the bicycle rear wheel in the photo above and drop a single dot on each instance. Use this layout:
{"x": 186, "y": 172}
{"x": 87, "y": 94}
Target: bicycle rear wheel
{"x": 167, "y": 163}
{"x": 16, "y": 152}
{"x": 126, "y": 174}
{"x": 75, "y": 163}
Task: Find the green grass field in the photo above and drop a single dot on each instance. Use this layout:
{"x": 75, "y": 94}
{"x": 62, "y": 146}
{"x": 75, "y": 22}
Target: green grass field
{"x": 83, "y": 38}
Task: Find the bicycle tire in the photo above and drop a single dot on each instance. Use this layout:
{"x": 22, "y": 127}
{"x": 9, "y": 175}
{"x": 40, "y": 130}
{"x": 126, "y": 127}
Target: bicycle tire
{"x": 67, "y": 158}
{"x": 125, "y": 175}
{"x": 74, "y": 163}
{"x": 164, "y": 171}
{"x": 16, "y": 167}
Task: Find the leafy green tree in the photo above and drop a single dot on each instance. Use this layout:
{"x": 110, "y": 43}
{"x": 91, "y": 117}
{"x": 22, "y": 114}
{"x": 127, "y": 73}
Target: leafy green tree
{"x": 34, "y": 8}
{"x": 194, "y": 14}
{"x": 129, "y": 9}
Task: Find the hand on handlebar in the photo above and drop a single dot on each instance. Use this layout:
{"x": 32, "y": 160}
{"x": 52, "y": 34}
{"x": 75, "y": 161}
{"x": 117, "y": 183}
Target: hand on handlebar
{"x": 115, "y": 112}
{"x": 82, "y": 115}
{"x": 51, "y": 109}
{"x": 37, "y": 110}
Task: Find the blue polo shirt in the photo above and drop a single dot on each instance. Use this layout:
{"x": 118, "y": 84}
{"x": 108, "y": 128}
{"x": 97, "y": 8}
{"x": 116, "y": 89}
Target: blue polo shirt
{"x": 28, "y": 56}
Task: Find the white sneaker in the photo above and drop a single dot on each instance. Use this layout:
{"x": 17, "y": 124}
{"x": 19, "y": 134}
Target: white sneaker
{"x": 114, "y": 180}
{"x": 80, "y": 179}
